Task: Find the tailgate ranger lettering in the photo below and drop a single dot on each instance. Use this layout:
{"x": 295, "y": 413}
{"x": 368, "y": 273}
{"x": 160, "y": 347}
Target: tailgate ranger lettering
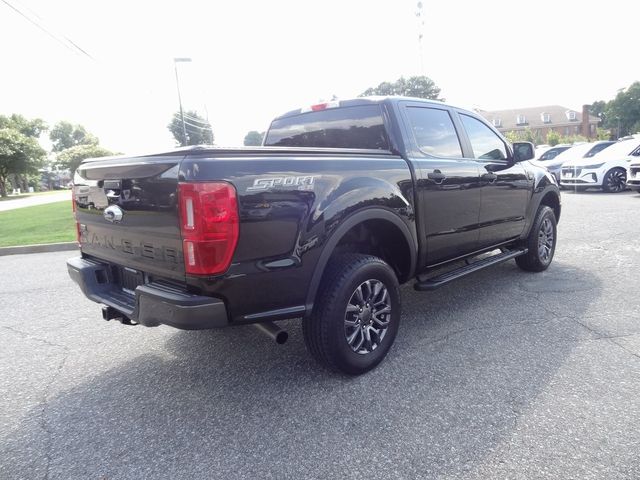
{"x": 142, "y": 249}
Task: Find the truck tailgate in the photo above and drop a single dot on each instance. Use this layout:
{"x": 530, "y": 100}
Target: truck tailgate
{"x": 127, "y": 210}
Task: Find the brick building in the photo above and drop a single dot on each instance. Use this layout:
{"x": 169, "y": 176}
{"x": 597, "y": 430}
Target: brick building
{"x": 542, "y": 120}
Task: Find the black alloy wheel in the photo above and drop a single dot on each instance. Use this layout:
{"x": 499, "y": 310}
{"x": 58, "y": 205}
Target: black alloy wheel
{"x": 367, "y": 316}
{"x": 356, "y": 314}
{"x": 541, "y": 242}
{"x": 546, "y": 240}
{"x": 615, "y": 181}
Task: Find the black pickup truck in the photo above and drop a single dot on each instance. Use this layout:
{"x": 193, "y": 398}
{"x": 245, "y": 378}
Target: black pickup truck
{"x": 346, "y": 201}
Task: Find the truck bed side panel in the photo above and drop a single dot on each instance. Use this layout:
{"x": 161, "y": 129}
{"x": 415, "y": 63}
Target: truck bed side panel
{"x": 289, "y": 206}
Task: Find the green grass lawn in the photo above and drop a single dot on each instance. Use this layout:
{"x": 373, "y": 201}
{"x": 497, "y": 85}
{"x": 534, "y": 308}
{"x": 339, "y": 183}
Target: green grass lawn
{"x": 50, "y": 223}
{"x": 27, "y": 195}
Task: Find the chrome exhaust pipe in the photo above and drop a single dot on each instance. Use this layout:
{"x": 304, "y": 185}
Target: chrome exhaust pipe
{"x": 273, "y": 331}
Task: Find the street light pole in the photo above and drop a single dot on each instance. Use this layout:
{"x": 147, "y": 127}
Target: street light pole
{"x": 175, "y": 66}
{"x": 420, "y": 16}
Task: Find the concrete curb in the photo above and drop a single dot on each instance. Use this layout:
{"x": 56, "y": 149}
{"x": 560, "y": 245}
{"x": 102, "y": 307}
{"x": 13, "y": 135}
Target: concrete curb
{"x": 45, "y": 247}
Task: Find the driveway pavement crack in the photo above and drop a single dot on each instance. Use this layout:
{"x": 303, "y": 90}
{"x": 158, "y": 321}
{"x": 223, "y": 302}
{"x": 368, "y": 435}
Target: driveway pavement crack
{"x": 630, "y": 352}
{"x": 31, "y": 337}
{"x": 610, "y": 338}
{"x": 44, "y": 423}
{"x": 447, "y": 336}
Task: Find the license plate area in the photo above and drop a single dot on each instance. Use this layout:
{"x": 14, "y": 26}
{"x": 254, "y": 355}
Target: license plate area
{"x": 130, "y": 279}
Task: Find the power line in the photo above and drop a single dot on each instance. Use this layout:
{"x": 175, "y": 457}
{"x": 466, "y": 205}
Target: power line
{"x": 194, "y": 122}
{"x": 47, "y": 31}
{"x": 201, "y": 126}
{"x": 197, "y": 119}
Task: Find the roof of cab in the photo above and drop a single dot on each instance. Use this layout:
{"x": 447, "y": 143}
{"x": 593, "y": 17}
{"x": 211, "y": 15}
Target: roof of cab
{"x": 352, "y": 102}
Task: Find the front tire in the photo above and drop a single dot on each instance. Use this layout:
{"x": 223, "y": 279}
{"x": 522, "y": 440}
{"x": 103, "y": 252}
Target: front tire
{"x": 541, "y": 242}
{"x": 615, "y": 180}
{"x": 356, "y": 315}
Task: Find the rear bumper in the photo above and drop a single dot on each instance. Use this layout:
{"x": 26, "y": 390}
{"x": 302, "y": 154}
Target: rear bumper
{"x": 153, "y": 303}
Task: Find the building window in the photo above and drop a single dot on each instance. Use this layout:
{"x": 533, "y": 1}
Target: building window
{"x": 497, "y": 122}
{"x": 577, "y": 128}
{"x": 545, "y": 117}
{"x": 571, "y": 115}
{"x": 521, "y": 120}
{"x": 566, "y": 130}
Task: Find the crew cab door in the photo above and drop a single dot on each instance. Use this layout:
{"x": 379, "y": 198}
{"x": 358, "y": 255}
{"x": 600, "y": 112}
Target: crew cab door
{"x": 447, "y": 184}
{"x": 505, "y": 185}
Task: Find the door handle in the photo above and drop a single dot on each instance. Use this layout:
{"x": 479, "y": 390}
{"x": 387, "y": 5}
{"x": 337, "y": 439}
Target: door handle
{"x": 437, "y": 176}
{"x": 489, "y": 177}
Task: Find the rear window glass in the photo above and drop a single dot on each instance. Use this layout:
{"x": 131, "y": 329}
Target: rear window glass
{"x": 346, "y": 127}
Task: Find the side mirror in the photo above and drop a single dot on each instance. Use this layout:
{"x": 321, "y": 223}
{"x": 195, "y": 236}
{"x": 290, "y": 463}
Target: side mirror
{"x": 523, "y": 151}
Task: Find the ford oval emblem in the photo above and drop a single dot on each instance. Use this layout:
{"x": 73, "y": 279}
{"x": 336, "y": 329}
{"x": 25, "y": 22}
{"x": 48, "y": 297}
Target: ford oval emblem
{"x": 113, "y": 214}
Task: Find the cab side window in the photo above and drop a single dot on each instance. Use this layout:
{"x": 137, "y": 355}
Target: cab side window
{"x": 434, "y": 132}
{"x": 485, "y": 143}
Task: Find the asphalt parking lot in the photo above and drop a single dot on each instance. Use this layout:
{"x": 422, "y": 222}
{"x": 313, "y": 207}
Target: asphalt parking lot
{"x": 504, "y": 374}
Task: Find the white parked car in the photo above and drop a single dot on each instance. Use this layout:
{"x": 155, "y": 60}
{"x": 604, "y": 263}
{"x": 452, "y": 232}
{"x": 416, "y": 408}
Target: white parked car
{"x": 633, "y": 175}
{"x": 606, "y": 170}
{"x": 548, "y": 153}
{"x": 576, "y": 152}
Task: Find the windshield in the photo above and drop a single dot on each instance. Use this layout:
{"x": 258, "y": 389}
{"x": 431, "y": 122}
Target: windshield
{"x": 553, "y": 153}
{"x": 598, "y": 148}
{"x": 620, "y": 149}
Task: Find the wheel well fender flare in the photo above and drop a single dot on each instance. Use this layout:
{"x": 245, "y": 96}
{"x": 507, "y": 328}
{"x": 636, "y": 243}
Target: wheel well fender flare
{"x": 346, "y": 225}
{"x": 535, "y": 205}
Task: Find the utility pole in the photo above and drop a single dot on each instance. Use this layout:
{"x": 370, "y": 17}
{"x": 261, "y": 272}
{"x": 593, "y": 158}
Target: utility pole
{"x": 420, "y": 17}
{"x": 175, "y": 66}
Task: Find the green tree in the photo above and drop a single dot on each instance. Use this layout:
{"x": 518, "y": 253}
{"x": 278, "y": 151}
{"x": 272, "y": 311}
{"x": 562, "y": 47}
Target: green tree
{"x": 421, "y": 87}
{"x": 512, "y": 136}
{"x": 19, "y": 155}
{"x": 603, "y": 134}
{"x": 198, "y": 129}
{"x": 624, "y": 110}
{"x": 71, "y": 157}
{"x": 526, "y": 135}
{"x": 622, "y": 114}
{"x": 553, "y": 138}
{"x": 573, "y": 139}
{"x": 599, "y": 109}
{"x": 253, "y": 138}
{"x": 65, "y": 135}
{"x": 30, "y": 128}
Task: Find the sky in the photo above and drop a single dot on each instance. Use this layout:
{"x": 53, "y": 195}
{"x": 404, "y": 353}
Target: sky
{"x": 253, "y": 60}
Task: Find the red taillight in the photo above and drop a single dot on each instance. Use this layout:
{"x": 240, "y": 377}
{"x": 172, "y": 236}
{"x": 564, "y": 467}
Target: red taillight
{"x": 209, "y": 226}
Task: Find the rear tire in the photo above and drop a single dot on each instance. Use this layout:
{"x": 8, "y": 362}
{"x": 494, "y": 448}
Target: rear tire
{"x": 356, "y": 315}
{"x": 541, "y": 242}
{"x": 615, "y": 181}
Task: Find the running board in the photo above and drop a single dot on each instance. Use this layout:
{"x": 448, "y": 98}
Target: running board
{"x": 440, "y": 280}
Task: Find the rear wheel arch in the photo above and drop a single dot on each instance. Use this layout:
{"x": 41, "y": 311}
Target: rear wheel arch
{"x": 388, "y": 229}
